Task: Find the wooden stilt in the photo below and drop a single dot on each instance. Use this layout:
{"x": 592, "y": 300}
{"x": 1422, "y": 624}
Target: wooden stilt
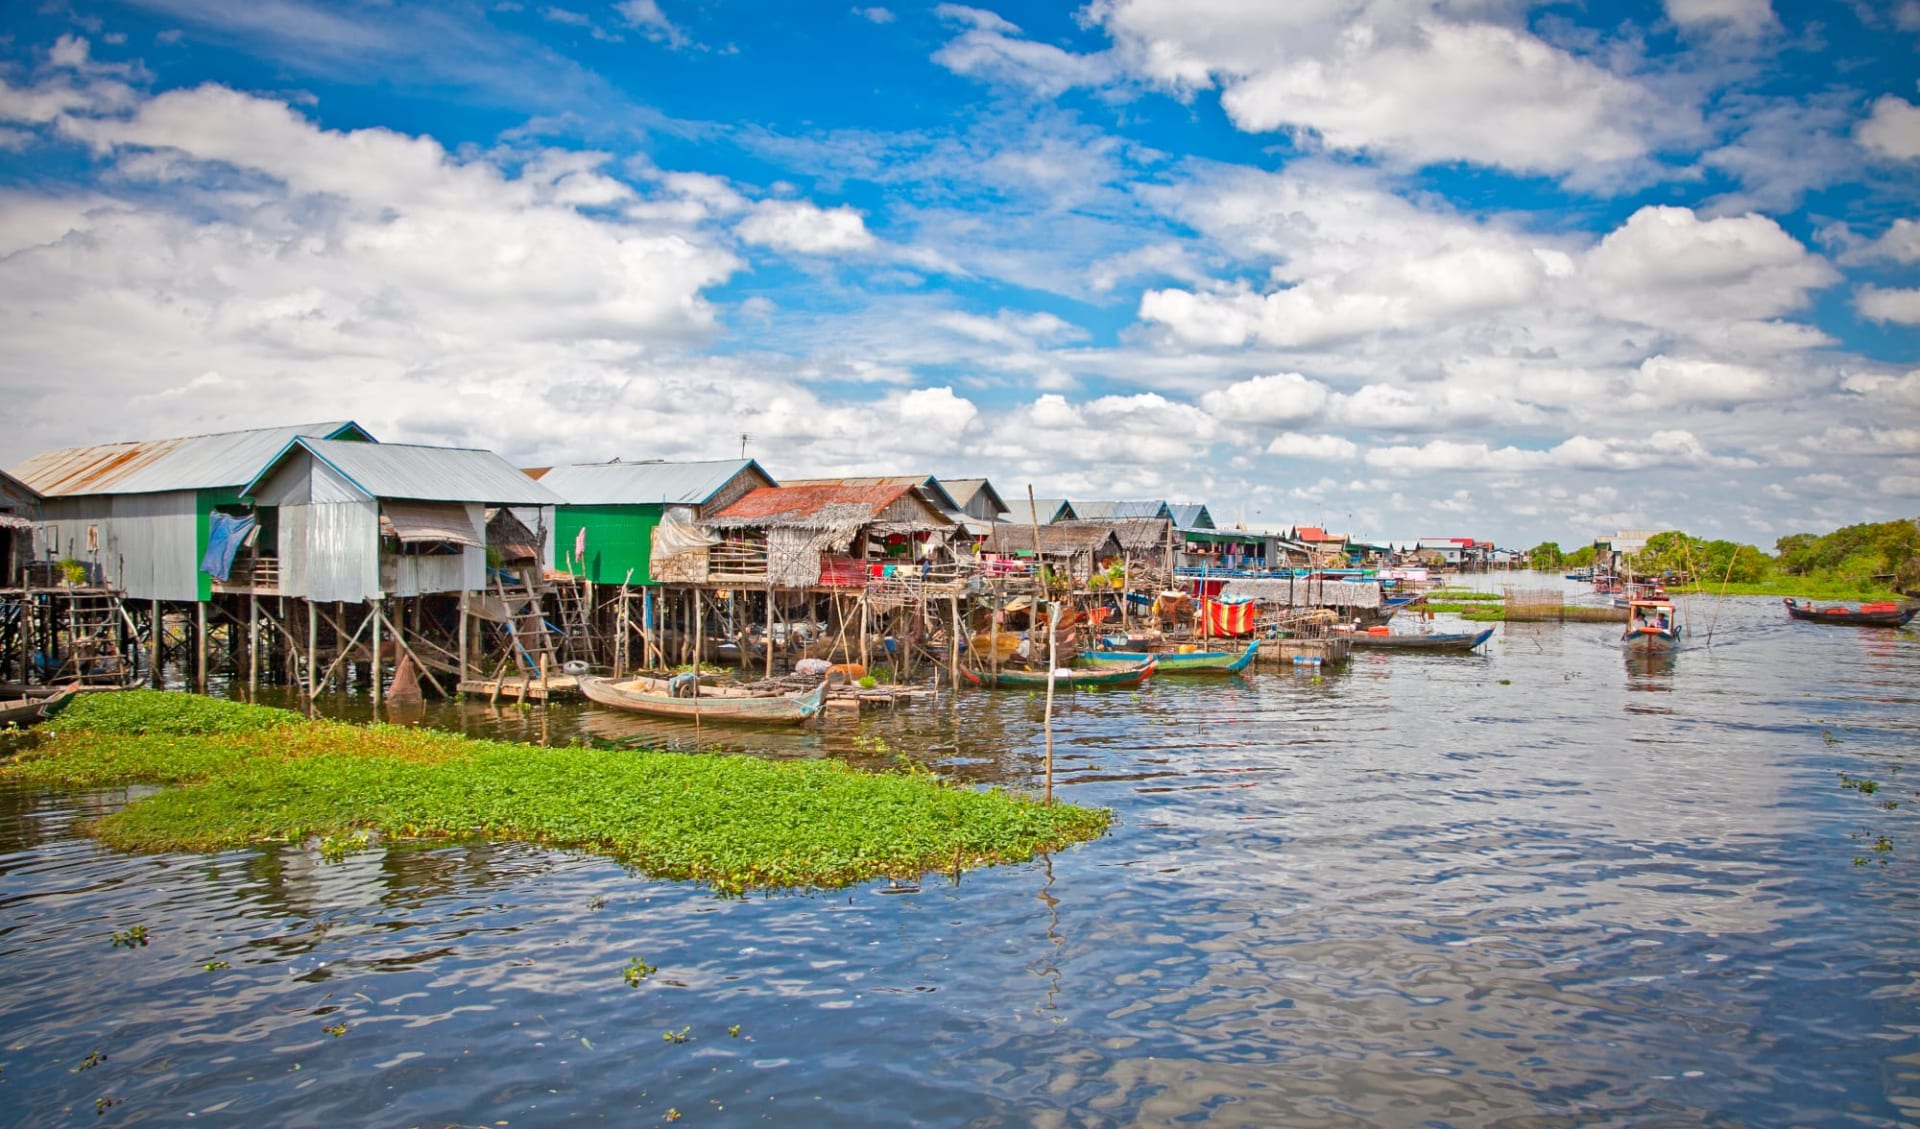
{"x": 378, "y": 619}
{"x": 253, "y": 644}
{"x": 313, "y": 651}
{"x": 156, "y": 662}
{"x": 769, "y": 629}
{"x": 465, "y": 598}
{"x": 200, "y": 646}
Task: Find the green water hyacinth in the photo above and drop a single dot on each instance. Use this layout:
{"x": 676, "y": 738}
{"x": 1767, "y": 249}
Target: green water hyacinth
{"x": 238, "y": 775}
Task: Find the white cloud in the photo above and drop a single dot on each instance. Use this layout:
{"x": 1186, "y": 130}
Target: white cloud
{"x": 1673, "y": 448}
{"x": 1748, "y": 16}
{"x": 1899, "y": 306}
{"x": 875, "y": 15}
{"x": 806, "y": 228}
{"x": 1903, "y": 390}
{"x": 1292, "y": 444}
{"x": 928, "y": 412}
{"x": 1409, "y": 81}
{"x": 646, "y": 17}
{"x": 1281, "y": 398}
{"x": 1892, "y": 130}
{"x": 990, "y": 48}
{"x": 1663, "y": 381}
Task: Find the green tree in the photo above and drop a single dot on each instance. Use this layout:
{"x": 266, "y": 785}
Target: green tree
{"x": 1580, "y": 558}
{"x": 1546, "y": 555}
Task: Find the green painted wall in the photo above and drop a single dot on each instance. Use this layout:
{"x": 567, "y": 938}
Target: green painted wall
{"x": 618, "y": 538}
{"x": 208, "y": 500}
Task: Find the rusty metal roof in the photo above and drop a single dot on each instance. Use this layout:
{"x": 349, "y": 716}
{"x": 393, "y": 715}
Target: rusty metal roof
{"x": 227, "y": 460}
{"x": 828, "y": 504}
{"x": 650, "y": 483}
{"x": 934, "y": 490}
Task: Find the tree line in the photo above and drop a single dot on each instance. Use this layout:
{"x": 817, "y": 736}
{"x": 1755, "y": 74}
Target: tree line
{"x": 1886, "y": 552}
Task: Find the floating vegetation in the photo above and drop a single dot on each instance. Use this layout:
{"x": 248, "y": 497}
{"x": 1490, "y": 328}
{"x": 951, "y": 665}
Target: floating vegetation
{"x": 684, "y": 1035}
{"x": 241, "y": 774}
{"x": 335, "y": 1029}
{"x": 104, "y": 1102}
{"x": 734, "y": 1031}
{"x": 93, "y": 1059}
{"x": 132, "y": 938}
{"x": 598, "y": 901}
{"x": 215, "y": 965}
{"x": 637, "y": 970}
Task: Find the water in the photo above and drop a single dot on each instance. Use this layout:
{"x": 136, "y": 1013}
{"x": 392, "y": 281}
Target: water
{"x": 1543, "y": 886}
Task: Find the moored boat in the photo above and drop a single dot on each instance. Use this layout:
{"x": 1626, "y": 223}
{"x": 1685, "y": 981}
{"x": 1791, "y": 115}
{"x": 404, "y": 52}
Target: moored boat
{"x": 25, "y": 711}
{"x": 1177, "y": 662}
{"x": 1884, "y": 614}
{"x": 1652, "y": 625}
{"x": 1437, "y": 641}
{"x": 665, "y": 697}
{"x": 1131, "y": 675}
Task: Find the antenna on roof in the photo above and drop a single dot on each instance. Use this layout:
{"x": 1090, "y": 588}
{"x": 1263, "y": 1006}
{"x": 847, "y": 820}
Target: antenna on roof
{"x": 743, "y": 444}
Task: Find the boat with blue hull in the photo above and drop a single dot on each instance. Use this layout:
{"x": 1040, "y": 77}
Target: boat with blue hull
{"x": 1177, "y": 662}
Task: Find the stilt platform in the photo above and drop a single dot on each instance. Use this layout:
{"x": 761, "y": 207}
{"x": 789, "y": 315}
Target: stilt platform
{"x": 522, "y": 689}
{"x": 1286, "y": 652}
{"x": 876, "y": 697}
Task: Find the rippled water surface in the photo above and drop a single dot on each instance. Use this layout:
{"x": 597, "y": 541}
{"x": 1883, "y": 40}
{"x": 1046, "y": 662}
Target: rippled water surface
{"x": 1543, "y": 886}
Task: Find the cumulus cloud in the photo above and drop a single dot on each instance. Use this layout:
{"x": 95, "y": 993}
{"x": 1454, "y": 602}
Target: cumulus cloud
{"x": 1663, "y": 381}
{"x": 806, "y": 228}
{"x": 1901, "y": 307}
{"x": 1892, "y": 130}
{"x": 1413, "y": 82}
{"x": 1292, "y": 444}
{"x": 646, "y": 17}
{"x": 1672, "y": 448}
{"x": 1281, "y": 398}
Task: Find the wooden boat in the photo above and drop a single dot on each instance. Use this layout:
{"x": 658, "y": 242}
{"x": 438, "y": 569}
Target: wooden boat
{"x": 1075, "y": 679}
{"x": 1174, "y": 662}
{"x": 1437, "y": 641}
{"x": 1884, "y": 614}
{"x": 23, "y": 712}
{"x": 656, "y": 696}
{"x": 1652, "y": 625}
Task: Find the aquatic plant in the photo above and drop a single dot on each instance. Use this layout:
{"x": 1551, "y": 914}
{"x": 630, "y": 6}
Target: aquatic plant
{"x": 134, "y": 937}
{"x": 681, "y": 1036}
{"x": 736, "y": 823}
{"x": 637, "y": 970}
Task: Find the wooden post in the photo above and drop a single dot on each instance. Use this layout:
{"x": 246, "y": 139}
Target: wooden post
{"x": 953, "y": 642}
{"x": 374, "y": 607}
{"x": 156, "y": 659}
{"x": 1053, "y": 664}
{"x": 699, "y": 641}
{"x": 313, "y": 652}
{"x": 866, "y": 653}
{"x": 769, "y": 628}
{"x": 253, "y": 644}
{"x": 465, "y": 597}
{"x": 200, "y": 645}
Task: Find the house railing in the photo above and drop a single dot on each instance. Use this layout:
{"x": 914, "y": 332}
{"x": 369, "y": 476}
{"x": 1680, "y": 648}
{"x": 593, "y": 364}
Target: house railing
{"x": 251, "y": 574}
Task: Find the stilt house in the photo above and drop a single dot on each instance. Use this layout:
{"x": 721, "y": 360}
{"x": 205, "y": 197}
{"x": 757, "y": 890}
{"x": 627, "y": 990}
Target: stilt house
{"x": 19, "y": 507}
{"x": 359, "y": 521}
{"x": 830, "y": 535}
{"x": 137, "y": 515}
{"x": 638, "y": 523}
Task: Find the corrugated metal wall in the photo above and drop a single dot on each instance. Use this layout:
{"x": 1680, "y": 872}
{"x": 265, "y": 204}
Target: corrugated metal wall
{"x": 343, "y": 550}
{"x": 146, "y": 544}
{"x": 405, "y": 575}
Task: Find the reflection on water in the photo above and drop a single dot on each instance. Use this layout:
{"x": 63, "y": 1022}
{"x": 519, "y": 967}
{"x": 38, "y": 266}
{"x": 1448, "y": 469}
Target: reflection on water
{"x": 1539, "y": 886}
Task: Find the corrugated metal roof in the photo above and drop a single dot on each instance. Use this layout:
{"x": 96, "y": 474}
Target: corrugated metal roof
{"x": 1191, "y": 515}
{"x": 633, "y": 484}
{"x": 926, "y": 482}
{"x": 806, "y": 506}
{"x": 1048, "y": 509}
{"x": 1107, "y": 510}
{"x": 16, "y": 491}
{"x": 962, "y": 490}
{"x": 193, "y": 462}
{"x": 426, "y": 474}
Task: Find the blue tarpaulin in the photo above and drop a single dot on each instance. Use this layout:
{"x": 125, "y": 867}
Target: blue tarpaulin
{"x": 224, "y": 537}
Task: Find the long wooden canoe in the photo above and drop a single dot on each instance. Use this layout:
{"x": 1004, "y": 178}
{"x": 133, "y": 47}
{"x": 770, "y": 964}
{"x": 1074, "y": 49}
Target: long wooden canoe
{"x": 715, "y": 703}
{"x": 1173, "y": 662}
{"x": 1889, "y": 614}
{"x": 1074, "y": 679}
{"x": 1438, "y": 641}
{"x": 23, "y": 712}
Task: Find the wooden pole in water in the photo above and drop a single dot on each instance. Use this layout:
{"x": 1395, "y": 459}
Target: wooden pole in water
{"x": 1053, "y": 637}
{"x": 699, "y": 636}
{"x": 253, "y": 644}
{"x": 313, "y": 652}
{"x": 378, "y": 620}
{"x": 769, "y": 628}
{"x": 953, "y": 642}
{"x": 465, "y": 599}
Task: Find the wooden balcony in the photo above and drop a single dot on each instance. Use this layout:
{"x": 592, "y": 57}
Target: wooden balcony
{"x": 256, "y": 575}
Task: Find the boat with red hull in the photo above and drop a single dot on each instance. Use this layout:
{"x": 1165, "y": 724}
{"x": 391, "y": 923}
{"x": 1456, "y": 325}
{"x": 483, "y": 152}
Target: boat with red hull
{"x": 1884, "y": 614}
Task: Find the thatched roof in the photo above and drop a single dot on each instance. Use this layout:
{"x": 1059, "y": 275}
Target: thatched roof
{"x": 1059, "y": 539}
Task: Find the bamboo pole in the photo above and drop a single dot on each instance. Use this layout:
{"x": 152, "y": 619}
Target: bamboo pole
{"x": 200, "y": 645}
{"x": 953, "y": 641}
{"x": 313, "y": 651}
{"x": 769, "y": 628}
{"x": 1053, "y": 638}
{"x": 466, "y": 598}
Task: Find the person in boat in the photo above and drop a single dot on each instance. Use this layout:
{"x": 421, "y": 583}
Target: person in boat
{"x": 1660, "y": 621}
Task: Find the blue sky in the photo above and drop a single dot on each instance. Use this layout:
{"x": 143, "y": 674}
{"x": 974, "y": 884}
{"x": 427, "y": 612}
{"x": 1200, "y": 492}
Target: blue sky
{"x": 1403, "y": 267}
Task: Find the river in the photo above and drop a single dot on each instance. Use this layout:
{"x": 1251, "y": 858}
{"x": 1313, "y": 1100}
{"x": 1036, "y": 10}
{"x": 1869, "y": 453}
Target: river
{"x": 1542, "y": 886}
